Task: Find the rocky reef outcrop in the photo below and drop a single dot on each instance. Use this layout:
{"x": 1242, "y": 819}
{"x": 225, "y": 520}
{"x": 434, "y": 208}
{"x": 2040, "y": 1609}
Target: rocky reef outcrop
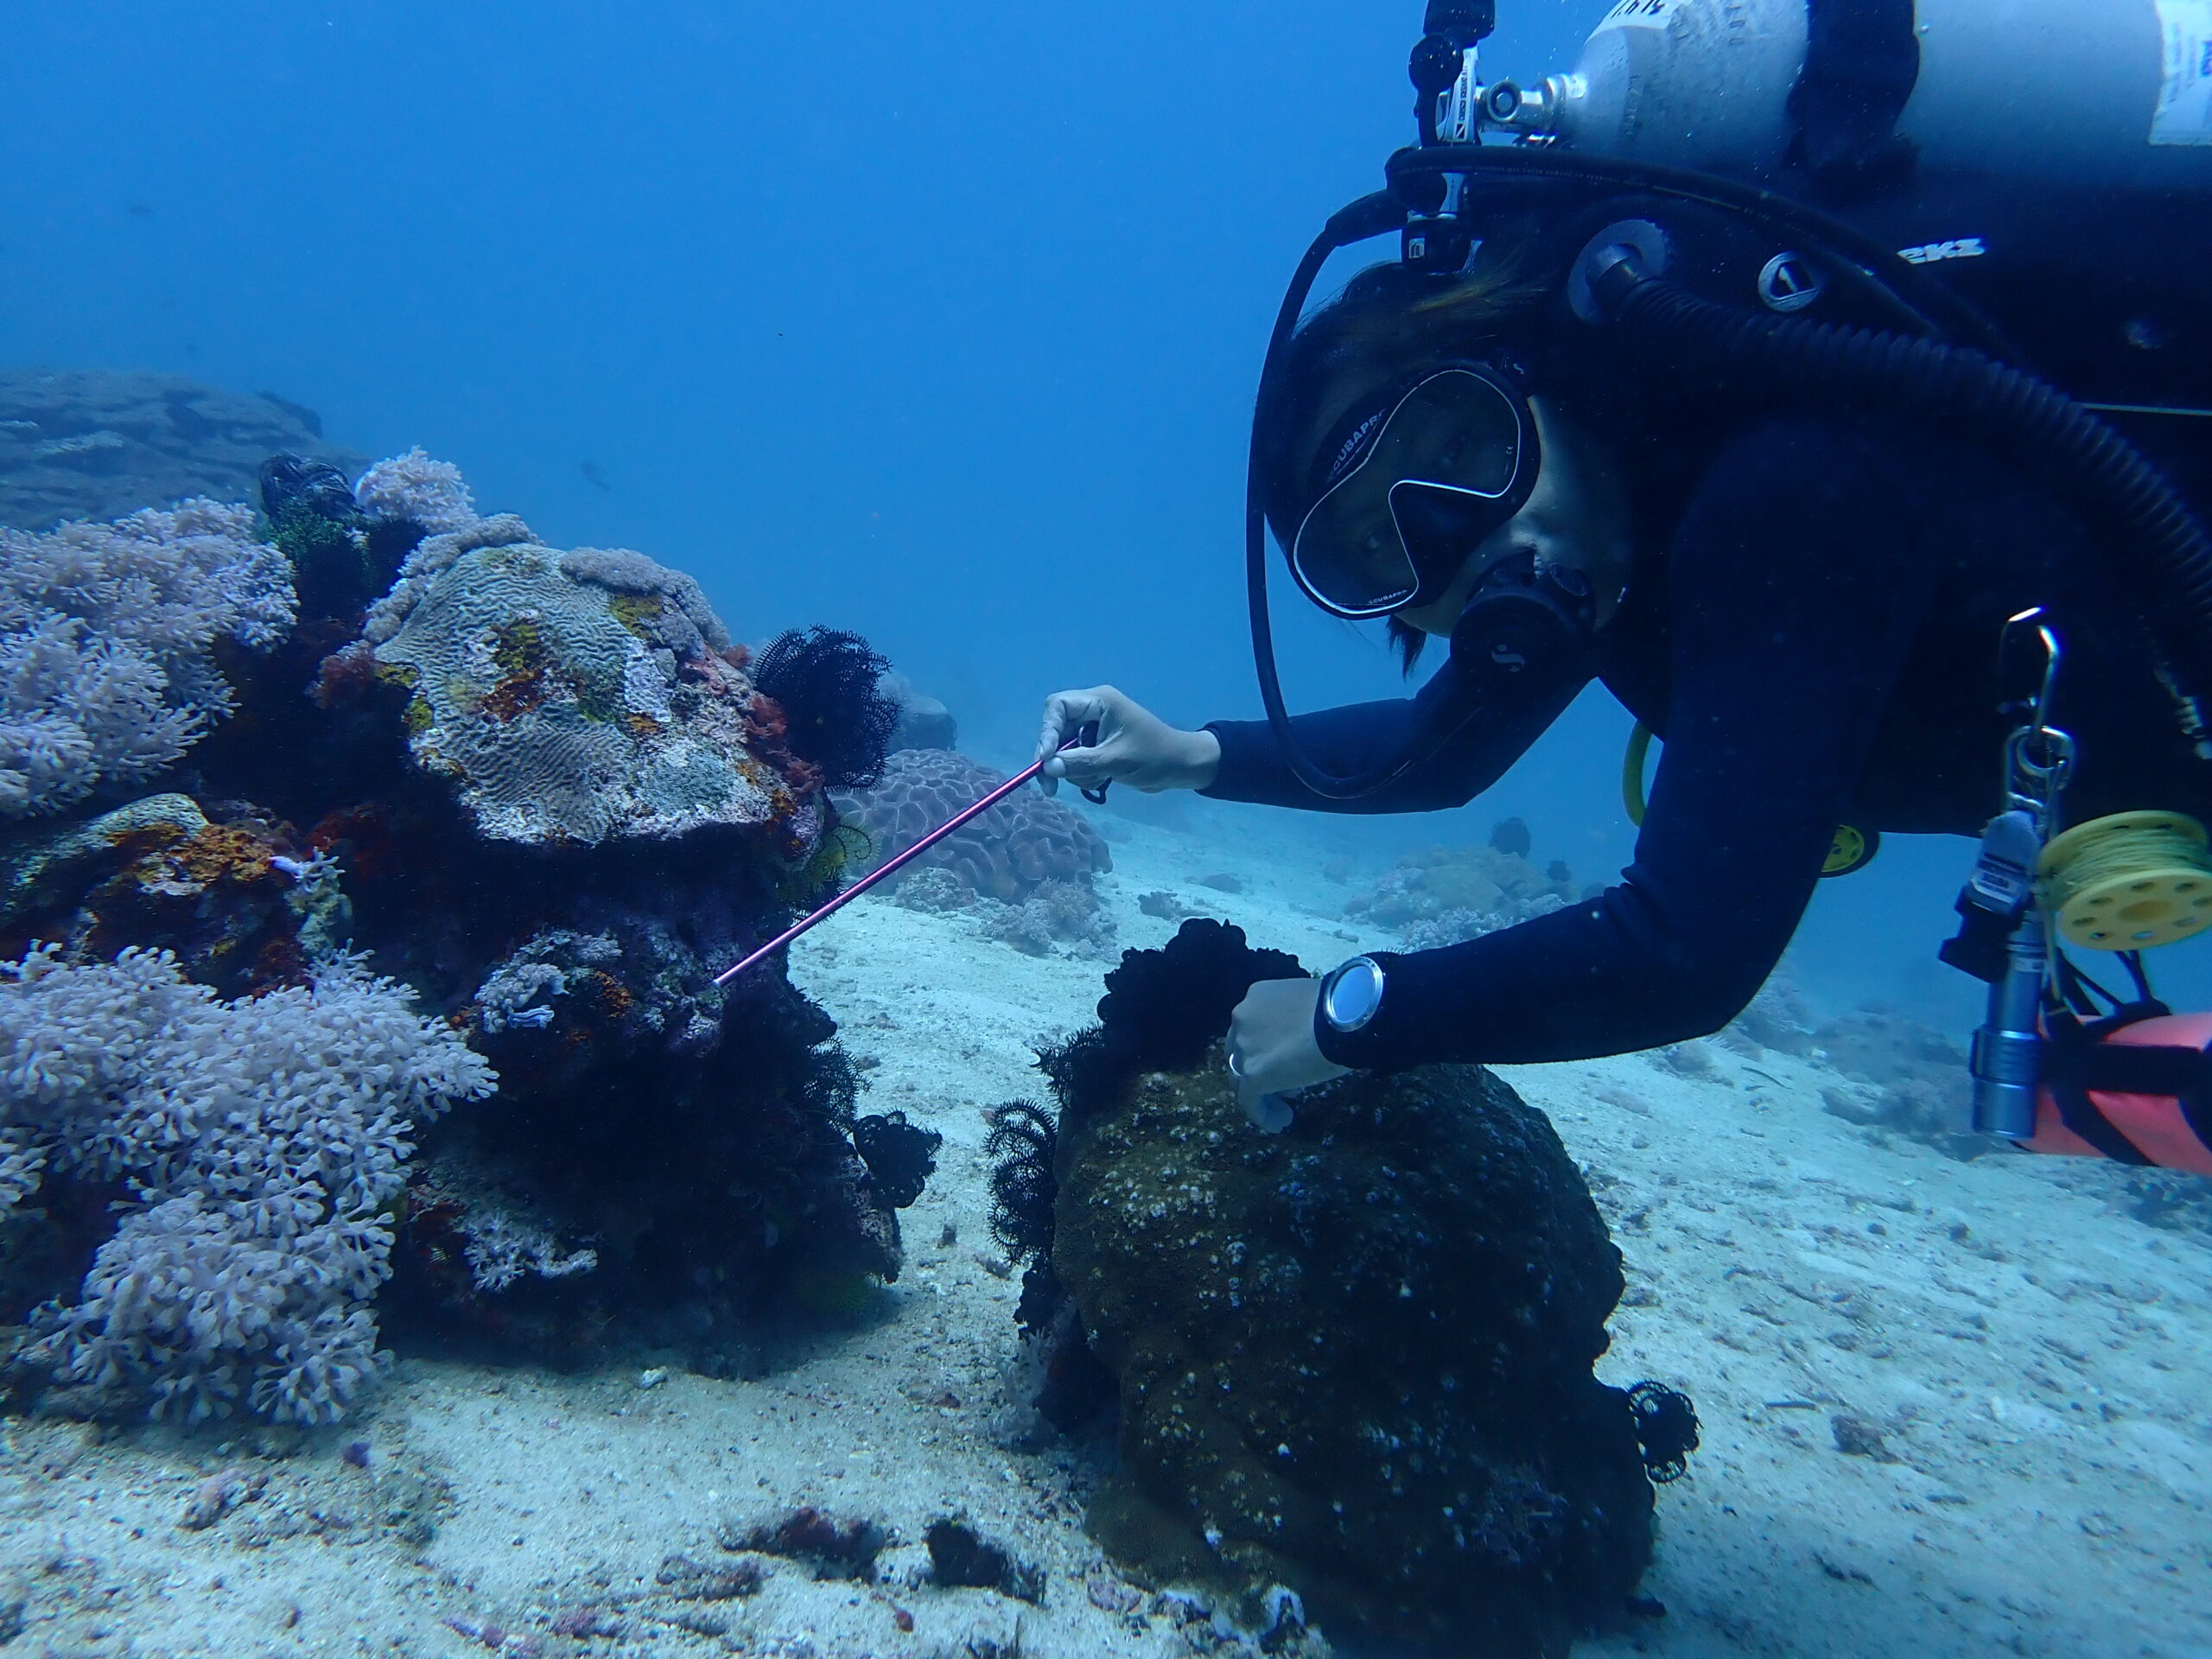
{"x": 514, "y": 805}
{"x": 1354, "y": 1358}
{"x": 98, "y": 443}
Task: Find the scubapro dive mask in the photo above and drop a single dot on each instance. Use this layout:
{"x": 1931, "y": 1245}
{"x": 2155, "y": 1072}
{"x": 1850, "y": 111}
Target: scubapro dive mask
{"x": 1416, "y": 481}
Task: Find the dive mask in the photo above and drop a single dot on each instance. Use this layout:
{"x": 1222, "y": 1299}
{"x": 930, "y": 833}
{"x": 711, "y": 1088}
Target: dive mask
{"x": 1416, "y": 481}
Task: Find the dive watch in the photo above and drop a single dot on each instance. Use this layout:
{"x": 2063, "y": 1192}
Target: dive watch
{"x": 1351, "y": 993}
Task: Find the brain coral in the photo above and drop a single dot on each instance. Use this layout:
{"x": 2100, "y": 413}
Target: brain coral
{"x": 572, "y": 699}
{"x": 1024, "y": 842}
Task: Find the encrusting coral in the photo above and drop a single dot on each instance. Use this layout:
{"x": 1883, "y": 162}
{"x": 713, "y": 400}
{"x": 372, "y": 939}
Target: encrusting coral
{"x": 260, "y": 1144}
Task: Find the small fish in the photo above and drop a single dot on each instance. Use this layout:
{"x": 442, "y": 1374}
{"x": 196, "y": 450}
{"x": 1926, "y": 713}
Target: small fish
{"x": 594, "y": 474}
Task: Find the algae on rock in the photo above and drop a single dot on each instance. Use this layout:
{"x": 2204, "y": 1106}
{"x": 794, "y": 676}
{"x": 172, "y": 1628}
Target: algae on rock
{"x": 1354, "y": 1357}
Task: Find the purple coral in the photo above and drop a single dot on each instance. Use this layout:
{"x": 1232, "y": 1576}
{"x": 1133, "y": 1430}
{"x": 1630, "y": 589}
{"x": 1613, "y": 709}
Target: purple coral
{"x": 262, "y": 1140}
{"x": 1009, "y": 852}
{"x": 419, "y": 489}
{"x": 108, "y": 637}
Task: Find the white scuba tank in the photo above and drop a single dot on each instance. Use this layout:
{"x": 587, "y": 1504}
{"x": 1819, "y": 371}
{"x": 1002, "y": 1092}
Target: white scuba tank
{"x": 2095, "y": 93}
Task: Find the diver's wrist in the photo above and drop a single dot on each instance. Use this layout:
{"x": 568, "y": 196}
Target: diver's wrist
{"x": 1201, "y": 759}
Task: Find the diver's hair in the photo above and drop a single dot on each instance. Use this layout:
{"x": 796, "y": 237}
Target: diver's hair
{"x": 1389, "y": 322}
{"x": 1407, "y": 640}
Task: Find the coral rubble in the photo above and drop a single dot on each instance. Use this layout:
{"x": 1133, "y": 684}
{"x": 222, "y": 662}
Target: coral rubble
{"x": 1354, "y": 1358}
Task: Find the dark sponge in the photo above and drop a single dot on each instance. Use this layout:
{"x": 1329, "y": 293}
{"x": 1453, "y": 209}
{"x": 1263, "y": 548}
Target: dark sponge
{"x": 829, "y": 684}
{"x": 1162, "y": 1011}
{"x": 900, "y": 1156}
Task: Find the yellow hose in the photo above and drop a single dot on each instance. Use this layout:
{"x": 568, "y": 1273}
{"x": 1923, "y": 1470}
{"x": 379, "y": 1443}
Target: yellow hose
{"x": 1639, "y": 745}
{"x": 1851, "y": 850}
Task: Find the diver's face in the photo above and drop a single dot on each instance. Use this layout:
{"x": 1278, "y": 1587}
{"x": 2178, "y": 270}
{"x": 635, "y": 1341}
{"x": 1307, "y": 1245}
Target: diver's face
{"x": 1575, "y": 516}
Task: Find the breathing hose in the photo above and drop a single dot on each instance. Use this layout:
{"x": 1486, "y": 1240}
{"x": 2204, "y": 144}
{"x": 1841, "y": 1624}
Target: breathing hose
{"x": 1371, "y": 215}
{"x": 1784, "y": 356}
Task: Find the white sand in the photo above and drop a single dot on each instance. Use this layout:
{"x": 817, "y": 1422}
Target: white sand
{"x": 2032, "y": 1360}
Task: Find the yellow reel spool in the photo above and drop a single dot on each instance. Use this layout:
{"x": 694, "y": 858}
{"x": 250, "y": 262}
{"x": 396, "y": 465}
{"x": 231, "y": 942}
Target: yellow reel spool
{"x": 2131, "y": 881}
{"x": 1850, "y": 851}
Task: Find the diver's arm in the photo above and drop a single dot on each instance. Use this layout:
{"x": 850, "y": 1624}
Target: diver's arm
{"x": 1349, "y": 740}
{"x": 1796, "y": 592}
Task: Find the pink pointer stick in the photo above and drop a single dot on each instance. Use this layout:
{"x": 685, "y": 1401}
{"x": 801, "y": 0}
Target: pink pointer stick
{"x": 891, "y": 866}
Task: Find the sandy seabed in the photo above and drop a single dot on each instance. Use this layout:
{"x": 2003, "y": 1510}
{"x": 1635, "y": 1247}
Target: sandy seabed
{"x": 1949, "y": 1409}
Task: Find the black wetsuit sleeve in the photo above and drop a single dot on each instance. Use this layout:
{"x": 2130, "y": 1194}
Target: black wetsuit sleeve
{"x": 1797, "y": 590}
{"x": 1347, "y": 741}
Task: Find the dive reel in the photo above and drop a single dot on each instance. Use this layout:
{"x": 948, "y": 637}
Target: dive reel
{"x": 2060, "y": 1064}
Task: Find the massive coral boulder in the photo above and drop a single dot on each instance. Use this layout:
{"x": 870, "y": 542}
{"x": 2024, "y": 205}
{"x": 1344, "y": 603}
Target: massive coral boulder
{"x": 556, "y": 702}
{"x": 1007, "y": 853}
{"x": 1354, "y": 1357}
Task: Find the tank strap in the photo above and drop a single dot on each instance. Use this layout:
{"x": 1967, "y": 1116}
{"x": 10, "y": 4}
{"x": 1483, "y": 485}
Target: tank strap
{"x": 2080, "y": 1115}
{"x": 1862, "y": 60}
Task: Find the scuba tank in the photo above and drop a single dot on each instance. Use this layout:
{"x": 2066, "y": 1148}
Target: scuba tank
{"x": 2050, "y": 160}
{"x": 2105, "y": 94}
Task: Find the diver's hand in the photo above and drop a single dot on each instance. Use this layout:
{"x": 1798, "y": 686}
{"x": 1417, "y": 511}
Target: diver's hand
{"x": 1272, "y": 1050}
{"x": 1134, "y": 747}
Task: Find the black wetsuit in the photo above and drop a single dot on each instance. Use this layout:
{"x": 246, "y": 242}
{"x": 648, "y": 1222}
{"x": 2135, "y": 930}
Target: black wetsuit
{"x": 1816, "y": 643}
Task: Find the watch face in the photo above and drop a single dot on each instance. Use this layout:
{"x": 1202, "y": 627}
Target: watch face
{"x": 1355, "y": 995}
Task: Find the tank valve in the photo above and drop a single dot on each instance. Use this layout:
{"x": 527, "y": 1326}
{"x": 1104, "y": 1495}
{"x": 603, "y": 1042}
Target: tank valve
{"x": 1529, "y": 113}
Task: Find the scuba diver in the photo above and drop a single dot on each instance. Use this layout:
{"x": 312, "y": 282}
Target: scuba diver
{"x": 1727, "y": 374}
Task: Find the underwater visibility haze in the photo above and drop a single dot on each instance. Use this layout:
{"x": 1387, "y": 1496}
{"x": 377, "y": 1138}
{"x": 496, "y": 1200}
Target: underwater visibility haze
{"x": 1589, "y": 1042}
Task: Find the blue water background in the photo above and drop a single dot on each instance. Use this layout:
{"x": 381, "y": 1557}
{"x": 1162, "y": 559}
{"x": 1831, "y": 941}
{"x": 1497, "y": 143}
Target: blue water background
{"x": 937, "y": 321}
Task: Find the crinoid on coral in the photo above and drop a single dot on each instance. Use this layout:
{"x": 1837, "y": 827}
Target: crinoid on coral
{"x": 252, "y": 1151}
{"x": 1163, "y": 1010}
{"x": 838, "y": 717}
{"x": 1354, "y": 1358}
{"x": 1024, "y": 1189}
{"x": 900, "y": 1156}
